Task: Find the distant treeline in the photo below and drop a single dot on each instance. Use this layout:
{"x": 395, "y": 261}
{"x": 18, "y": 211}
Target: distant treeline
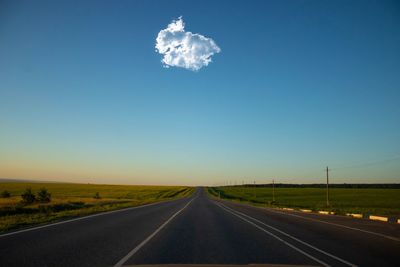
{"x": 389, "y": 186}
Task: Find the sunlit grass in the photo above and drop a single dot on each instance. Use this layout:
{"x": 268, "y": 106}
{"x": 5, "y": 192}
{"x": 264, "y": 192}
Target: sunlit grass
{"x": 72, "y": 200}
{"x": 342, "y": 200}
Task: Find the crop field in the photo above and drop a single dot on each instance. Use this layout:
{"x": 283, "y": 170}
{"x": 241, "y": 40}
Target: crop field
{"x": 72, "y": 200}
{"x": 342, "y": 200}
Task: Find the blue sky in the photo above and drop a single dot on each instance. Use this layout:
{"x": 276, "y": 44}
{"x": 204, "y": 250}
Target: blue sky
{"x": 298, "y": 85}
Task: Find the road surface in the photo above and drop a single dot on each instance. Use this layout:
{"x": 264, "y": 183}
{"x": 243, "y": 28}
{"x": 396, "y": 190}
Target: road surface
{"x": 200, "y": 230}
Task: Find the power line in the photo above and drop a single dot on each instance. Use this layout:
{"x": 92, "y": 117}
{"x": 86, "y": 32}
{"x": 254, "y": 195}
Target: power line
{"x": 366, "y": 164}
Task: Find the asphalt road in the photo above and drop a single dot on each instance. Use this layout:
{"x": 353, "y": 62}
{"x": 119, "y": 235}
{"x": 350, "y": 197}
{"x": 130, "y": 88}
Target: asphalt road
{"x": 199, "y": 230}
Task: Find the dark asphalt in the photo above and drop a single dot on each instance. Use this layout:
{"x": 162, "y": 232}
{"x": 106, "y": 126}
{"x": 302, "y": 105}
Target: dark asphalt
{"x": 205, "y": 232}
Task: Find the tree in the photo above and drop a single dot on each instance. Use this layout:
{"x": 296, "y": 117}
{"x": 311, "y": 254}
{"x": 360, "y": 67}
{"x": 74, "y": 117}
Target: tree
{"x": 43, "y": 195}
{"x": 28, "y": 197}
{"x": 5, "y": 194}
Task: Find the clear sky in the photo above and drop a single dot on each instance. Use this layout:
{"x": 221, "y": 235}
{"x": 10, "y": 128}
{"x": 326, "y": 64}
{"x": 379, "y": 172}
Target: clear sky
{"x": 297, "y": 85}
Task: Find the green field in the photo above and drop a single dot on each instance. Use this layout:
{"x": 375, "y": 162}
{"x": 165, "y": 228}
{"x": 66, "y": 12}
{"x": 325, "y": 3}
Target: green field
{"x": 72, "y": 200}
{"x": 342, "y": 200}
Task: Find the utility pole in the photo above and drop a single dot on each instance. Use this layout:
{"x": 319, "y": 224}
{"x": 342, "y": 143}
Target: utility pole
{"x": 327, "y": 186}
{"x": 273, "y": 191}
{"x": 255, "y": 192}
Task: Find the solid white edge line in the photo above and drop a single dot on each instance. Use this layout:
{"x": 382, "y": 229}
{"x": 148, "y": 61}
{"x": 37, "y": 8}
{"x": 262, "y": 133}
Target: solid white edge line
{"x": 81, "y": 218}
{"x": 292, "y": 237}
{"x": 138, "y": 247}
{"x": 277, "y": 237}
{"x": 338, "y": 225}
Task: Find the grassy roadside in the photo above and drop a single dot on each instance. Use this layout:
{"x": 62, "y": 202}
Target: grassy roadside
{"x": 74, "y": 200}
{"x": 385, "y": 202}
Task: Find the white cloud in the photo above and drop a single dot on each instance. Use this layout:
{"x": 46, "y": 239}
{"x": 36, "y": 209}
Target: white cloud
{"x": 184, "y": 49}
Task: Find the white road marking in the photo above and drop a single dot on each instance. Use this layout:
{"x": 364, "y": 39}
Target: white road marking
{"x": 81, "y": 218}
{"x": 339, "y": 225}
{"x": 277, "y": 237}
{"x": 292, "y": 237}
{"x": 138, "y": 247}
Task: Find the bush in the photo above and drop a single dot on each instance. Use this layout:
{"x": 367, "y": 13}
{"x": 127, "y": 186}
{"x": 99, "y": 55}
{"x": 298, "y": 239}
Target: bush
{"x": 28, "y": 197}
{"x": 43, "y": 195}
{"x": 66, "y": 206}
{"x": 97, "y": 195}
{"x": 5, "y": 194}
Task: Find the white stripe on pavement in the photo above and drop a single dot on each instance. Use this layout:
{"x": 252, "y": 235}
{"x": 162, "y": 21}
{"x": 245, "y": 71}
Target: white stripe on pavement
{"x": 82, "y": 218}
{"x": 337, "y": 224}
{"x": 138, "y": 247}
{"x": 292, "y": 237}
{"x": 277, "y": 237}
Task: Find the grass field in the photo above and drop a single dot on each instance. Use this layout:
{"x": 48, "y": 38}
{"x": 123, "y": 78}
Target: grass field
{"x": 72, "y": 200}
{"x": 342, "y": 200}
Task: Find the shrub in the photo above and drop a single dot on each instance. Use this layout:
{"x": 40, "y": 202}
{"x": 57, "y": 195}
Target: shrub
{"x": 43, "y": 195}
{"x": 97, "y": 195}
{"x": 5, "y": 194}
{"x": 46, "y": 209}
{"x": 28, "y": 197}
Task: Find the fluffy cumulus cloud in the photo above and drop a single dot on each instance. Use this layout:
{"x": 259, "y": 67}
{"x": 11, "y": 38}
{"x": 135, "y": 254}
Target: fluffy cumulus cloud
{"x": 184, "y": 49}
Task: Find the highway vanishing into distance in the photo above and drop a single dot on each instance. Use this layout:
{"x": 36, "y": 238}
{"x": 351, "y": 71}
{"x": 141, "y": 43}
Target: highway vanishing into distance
{"x": 201, "y": 230}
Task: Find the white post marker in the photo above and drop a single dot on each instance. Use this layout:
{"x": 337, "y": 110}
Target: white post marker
{"x": 378, "y": 218}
